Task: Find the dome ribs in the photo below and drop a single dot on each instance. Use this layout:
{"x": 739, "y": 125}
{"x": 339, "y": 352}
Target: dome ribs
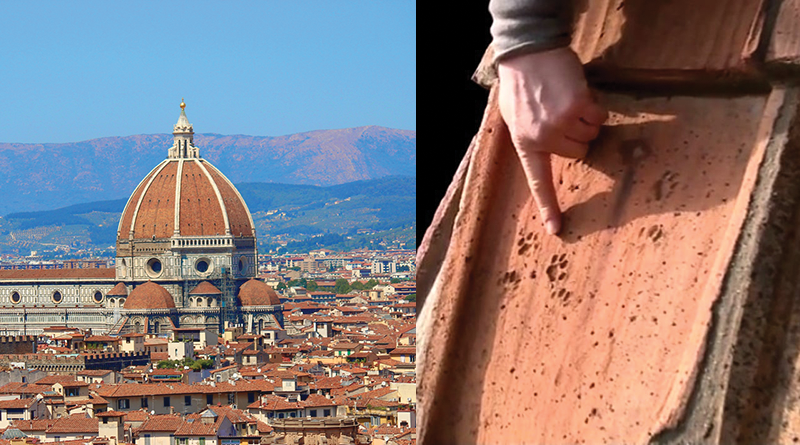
{"x": 130, "y": 207}
{"x": 238, "y": 215}
{"x": 200, "y": 209}
{"x": 208, "y": 204}
{"x": 210, "y": 208}
{"x": 191, "y": 213}
{"x": 156, "y": 212}
{"x": 165, "y": 205}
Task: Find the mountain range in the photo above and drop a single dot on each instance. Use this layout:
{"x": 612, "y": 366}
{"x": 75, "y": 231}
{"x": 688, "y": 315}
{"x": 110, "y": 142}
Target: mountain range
{"x": 40, "y": 177}
{"x": 369, "y": 213}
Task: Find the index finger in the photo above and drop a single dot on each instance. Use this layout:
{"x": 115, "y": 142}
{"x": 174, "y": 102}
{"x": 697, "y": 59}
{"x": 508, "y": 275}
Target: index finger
{"x": 539, "y": 174}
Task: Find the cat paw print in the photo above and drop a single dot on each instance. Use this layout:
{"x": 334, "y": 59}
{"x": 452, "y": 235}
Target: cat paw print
{"x": 556, "y": 270}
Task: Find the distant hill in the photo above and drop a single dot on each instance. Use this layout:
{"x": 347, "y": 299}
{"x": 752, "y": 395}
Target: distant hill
{"x": 48, "y": 176}
{"x": 366, "y": 213}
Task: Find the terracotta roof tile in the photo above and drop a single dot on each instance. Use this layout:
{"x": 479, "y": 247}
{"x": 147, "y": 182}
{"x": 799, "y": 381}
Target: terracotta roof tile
{"x": 149, "y": 295}
{"x": 136, "y": 416}
{"x": 257, "y": 293}
{"x": 78, "y": 423}
{"x": 167, "y": 422}
{"x": 53, "y": 379}
{"x": 33, "y": 425}
{"x": 205, "y": 288}
{"x": 118, "y": 291}
{"x": 315, "y": 400}
{"x": 275, "y": 403}
{"x": 16, "y": 403}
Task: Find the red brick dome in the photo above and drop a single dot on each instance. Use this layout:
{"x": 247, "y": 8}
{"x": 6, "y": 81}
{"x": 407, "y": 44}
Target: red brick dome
{"x": 188, "y": 197}
{"x": 149, "y": 295}
{"x": 205, "y": 288}
{"x": 118, "y": 291}
{"x": 257, "y": 293}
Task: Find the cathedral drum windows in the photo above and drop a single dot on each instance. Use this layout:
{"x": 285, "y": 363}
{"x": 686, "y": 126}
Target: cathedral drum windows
{"x": 97, "y": 297}
{"x": 204, "y": 267}
{"x": 242, "y": 264}
{"x": 57, "y": 297}
{"x": 154, "y": 267}
{"x": 15, "y": 297}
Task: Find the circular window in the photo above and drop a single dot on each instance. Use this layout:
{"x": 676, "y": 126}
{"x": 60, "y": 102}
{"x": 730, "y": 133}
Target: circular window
{"x": 15, "y": 297}
{"x": 97, "y": 296}
{"x": 57, "y": 297}
{"x": 203, "y": 266}
{"x": 154, "y": 267}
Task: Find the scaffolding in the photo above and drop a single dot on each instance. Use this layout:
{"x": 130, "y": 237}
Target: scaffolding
{"x": 229, "y": 315}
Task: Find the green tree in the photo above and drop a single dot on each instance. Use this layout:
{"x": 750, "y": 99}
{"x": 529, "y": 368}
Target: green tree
{"x": 341, "y": 286}
{"x": 281, "y": 286}
{"x": 311, "y": 286}
{"x": 201, "y": 364}
{"x": 166, "y": 364}
{"x": 357, "y": 285}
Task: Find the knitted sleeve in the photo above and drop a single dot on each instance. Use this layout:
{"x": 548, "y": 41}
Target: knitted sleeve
{"x": 521, "y": 26}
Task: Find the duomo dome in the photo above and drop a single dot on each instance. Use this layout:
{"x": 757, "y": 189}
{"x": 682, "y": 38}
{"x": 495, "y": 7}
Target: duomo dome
{"x": 185, "y": 198}
{"x": 182, "y": 210}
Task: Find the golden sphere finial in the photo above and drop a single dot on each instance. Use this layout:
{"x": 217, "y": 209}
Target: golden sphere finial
{"x": 183, "y": 105}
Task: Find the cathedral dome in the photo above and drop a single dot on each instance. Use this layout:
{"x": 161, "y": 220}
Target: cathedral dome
{"x": 118, "y": 291}
{"x": 205, "y": 288}
{"x": 149, "y": 295}
{"x": 185, "y": 196}
{"x": 257, "y": 293}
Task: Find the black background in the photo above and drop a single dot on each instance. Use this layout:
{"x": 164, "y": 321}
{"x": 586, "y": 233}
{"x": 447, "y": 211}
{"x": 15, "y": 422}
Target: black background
{"x": 450, "y": 105}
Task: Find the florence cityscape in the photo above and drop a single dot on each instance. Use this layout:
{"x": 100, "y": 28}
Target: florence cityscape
{"x": 214, "y": 287}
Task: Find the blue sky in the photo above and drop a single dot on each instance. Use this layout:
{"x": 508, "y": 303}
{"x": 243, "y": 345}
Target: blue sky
{"x": 78, "y": 70}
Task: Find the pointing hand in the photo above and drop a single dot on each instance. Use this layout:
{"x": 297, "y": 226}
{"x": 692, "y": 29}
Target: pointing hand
{"x": 548, "y": 108}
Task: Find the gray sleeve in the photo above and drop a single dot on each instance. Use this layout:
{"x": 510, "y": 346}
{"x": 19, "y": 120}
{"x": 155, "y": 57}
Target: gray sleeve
{"x": 521, "y": 26}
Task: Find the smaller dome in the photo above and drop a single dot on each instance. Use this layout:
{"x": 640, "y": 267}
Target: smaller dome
{"x": 14, "y": 433}
{"x": 118, "y": 291}
{"x": 257, "y": 293}
{"x": 205, "y": 288}
{"x": 149, "y": 295}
